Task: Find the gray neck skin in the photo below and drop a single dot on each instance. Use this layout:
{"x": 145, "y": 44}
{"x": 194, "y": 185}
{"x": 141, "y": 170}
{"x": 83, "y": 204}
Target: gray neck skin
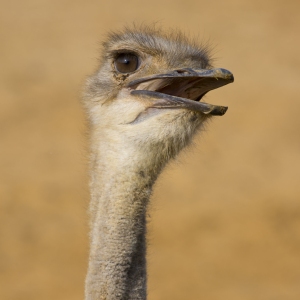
{"x": 117, "y": 264}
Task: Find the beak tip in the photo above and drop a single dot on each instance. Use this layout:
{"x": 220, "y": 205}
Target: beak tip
{"x": 219, "y": 111}
{"x": 225, "y": 74}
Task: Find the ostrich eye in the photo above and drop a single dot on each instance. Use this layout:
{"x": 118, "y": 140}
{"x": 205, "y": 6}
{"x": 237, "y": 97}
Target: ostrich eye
{"x": 126, "y": 62}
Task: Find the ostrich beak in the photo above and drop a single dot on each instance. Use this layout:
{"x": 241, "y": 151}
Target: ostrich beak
{"x": 183, "y": 88}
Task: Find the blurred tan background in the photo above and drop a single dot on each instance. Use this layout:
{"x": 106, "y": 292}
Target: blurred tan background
{"x": 225, "y": 218}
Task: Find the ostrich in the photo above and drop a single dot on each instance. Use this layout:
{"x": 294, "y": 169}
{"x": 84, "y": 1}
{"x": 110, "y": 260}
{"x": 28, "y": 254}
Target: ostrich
{"x": 143, "y": 106}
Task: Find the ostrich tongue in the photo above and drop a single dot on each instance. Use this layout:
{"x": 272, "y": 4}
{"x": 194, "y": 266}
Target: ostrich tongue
{"x": 183, "y": 88}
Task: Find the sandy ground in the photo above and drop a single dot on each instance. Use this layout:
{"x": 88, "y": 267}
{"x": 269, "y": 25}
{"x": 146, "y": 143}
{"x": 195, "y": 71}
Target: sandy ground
{"x": 225, "y": 218}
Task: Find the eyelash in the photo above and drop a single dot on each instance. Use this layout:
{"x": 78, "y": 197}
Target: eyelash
{"x": 116, "y": 53}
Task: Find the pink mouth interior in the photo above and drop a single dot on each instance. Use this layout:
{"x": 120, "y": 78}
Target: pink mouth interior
{"x": 189, "y": 88}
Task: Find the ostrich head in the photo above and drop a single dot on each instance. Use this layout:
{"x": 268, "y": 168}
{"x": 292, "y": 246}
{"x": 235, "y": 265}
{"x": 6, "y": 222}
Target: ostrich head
{"x": 145, "y": 99}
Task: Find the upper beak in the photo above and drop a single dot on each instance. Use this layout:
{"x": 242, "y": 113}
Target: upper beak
{"x": 183, "y": 88}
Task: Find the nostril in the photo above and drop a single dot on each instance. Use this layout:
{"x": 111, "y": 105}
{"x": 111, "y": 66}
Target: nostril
{"x": 182, "y": 71}
{"x": 186, "y": 71}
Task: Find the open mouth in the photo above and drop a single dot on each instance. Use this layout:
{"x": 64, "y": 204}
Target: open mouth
{"x": 183, "y": 88}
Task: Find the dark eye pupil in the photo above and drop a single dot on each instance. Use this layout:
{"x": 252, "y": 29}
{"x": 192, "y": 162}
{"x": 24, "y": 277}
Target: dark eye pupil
{"x": 126, "y": 63}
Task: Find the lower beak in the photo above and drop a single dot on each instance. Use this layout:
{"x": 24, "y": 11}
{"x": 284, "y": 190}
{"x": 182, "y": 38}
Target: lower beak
{"x": 183, "y": 88}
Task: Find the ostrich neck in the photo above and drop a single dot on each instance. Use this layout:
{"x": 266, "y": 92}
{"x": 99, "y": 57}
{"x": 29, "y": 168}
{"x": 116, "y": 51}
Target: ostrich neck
{"x": 120, "y": 191}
